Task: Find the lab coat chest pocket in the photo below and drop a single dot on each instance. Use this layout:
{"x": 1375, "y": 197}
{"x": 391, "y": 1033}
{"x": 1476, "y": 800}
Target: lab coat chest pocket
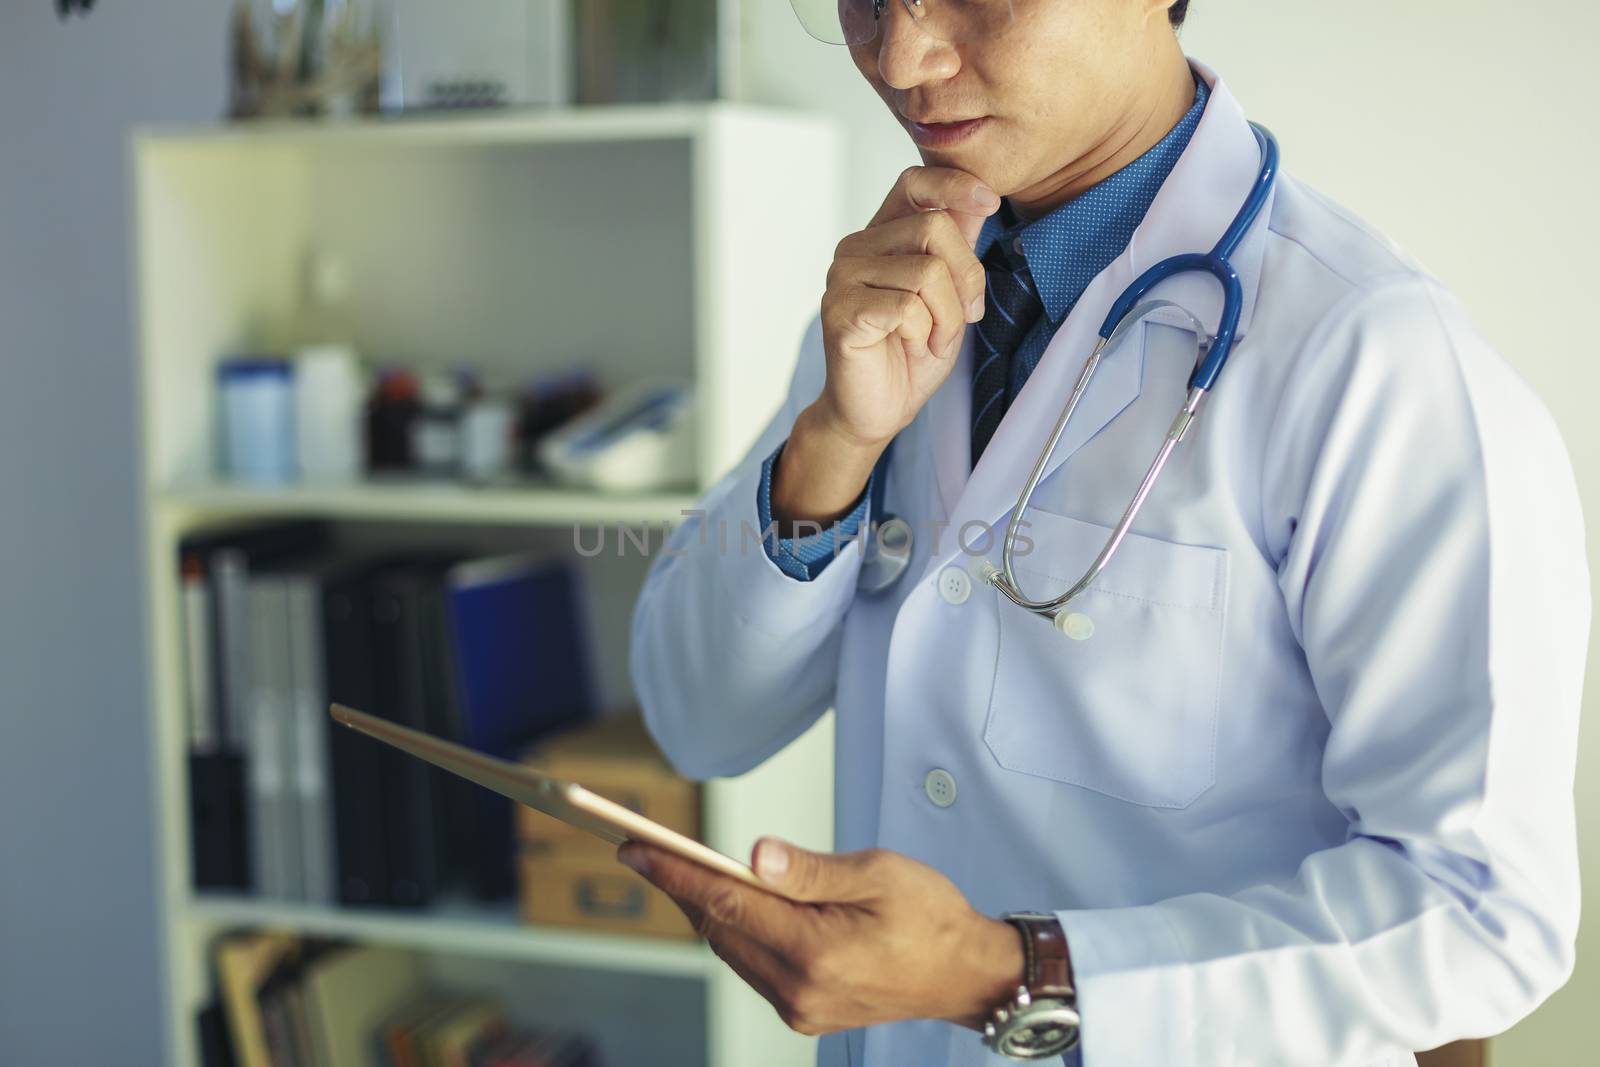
{"x": 1129, "y": 711}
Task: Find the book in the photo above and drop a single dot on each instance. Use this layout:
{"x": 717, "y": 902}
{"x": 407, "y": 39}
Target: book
{"x": 199, "y": 654}
{"x": 219, "y": 850}
{"x": 358, "y": 798}
{"x": 412, "y": 821}
{"x": 555, "y": 1049}
{"x": 211, "y": 1037}
{"x": 521, "y": 672}
{"x": 348, "y": 995}
{"x": 227, "y": 557}
{"x": 397, "y": 1037}
{"x": 271, "y": 756}
{"x": 276, "y": 1003}
{"x": 214, "y": 569}
{"x": 425, "y": 641}
{"x": 508, "y": 1051}
{"x": 287, "y": 1001}
{"x": 456, "y": 799}
{"x": 475, "y": 1025}
{"x": 311, "y": 791}
{"x": 568, "y": 1050}
{"x": 245, "y": 963}
{"x": 218, "y": 853}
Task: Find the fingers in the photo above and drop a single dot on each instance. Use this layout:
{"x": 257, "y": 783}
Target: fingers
{"x": 927, "y": 277}
{"x": 760, "y": 967}
{"x": 922, "y": 189}
{"x": 932, "y": 234}
{"x": 882, "y": 319}
{"x": 820, "y": 877}
{"x": 713, "y": 902}
{"x": 861, "y": 316}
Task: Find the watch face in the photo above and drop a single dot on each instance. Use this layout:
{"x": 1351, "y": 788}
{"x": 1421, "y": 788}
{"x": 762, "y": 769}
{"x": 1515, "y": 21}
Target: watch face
{"x": 1042, "y": 1031}
{"x": 1037, "y": 1042}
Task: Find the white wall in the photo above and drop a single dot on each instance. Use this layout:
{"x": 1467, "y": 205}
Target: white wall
{"x": 1465, "y": 129}
{"x": 78, "y": 949}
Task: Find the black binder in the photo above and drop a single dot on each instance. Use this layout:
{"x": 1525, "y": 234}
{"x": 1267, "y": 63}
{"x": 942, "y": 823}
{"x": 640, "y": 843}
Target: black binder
{"x": 219, "y": 844}
{"x": 218, "y": 812}
{"x": 412, "y": 814}
{"x": 358, "y": 797}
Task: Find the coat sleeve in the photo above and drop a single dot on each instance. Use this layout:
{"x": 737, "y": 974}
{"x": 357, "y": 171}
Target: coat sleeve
{"x": 732, "y": 658}
{"x": 1433, "y": 569}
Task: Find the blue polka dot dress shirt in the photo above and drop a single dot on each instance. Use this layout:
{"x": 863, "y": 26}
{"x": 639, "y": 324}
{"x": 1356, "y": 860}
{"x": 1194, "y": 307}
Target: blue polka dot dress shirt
{"x": 1061, "y": 253}
{"x": 1067, "y": 249}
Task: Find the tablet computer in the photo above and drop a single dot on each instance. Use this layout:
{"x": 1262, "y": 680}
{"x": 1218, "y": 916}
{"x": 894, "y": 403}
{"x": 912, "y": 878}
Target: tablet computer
{"x": 567, "y": 801}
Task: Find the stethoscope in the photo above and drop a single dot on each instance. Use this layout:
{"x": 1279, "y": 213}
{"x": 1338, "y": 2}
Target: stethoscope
{"x": 889, "y": 542}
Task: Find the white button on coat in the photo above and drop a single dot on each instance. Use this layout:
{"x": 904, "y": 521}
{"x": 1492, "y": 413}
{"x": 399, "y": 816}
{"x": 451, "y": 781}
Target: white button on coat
{"x": 940, "y": 785}
{"x": 954, "y": 585}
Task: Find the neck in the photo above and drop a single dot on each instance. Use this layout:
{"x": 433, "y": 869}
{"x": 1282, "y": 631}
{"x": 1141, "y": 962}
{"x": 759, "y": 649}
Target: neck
{"x": 1155, "y": 111}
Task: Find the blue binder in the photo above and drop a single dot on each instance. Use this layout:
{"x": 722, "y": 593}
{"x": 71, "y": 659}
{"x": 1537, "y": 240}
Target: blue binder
{"x": 522, "y": 672}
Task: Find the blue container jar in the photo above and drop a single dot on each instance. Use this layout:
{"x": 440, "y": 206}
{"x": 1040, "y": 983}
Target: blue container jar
{"x": 256, "y": 400}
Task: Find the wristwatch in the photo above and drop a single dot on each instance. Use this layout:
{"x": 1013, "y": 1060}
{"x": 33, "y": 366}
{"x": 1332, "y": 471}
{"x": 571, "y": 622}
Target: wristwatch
{"x": 1042, "y": 1020}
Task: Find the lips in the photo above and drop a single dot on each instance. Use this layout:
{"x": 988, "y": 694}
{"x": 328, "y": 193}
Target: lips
{"x": 944, "y": 134}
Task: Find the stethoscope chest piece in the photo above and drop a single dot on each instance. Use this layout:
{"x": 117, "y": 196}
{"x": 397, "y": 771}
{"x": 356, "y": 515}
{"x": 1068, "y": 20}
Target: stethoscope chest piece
{"x": 1075, "y": 625}
{"x": 888, "y": 554}
{"x": 889, "y": 541}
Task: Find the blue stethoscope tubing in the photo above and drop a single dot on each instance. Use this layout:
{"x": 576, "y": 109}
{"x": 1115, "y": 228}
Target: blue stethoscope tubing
{"x": 889, "y": 547}
{"x": 1218, "y": 263}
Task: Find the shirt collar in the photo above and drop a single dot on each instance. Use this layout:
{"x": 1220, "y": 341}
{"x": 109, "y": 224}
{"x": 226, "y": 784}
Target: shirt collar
{"x": 1067, "y": 248}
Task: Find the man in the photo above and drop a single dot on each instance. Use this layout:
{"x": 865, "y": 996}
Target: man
{"x": 1293, "y": 783}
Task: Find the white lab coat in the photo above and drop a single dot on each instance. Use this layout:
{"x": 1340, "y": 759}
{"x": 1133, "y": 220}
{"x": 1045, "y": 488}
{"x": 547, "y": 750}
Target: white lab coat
{"x": 1305, "y": 796}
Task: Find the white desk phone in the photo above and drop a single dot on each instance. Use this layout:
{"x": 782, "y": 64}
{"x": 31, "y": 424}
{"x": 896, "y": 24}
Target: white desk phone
{"x": 640, "y": 440}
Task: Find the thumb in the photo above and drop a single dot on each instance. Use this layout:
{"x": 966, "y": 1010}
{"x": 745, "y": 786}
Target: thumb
{"x": 970, "y": 226}
{"x": 816, "y": 877}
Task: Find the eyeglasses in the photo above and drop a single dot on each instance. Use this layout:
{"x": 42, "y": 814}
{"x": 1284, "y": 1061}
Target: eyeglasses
{"x": 853, "y": 22}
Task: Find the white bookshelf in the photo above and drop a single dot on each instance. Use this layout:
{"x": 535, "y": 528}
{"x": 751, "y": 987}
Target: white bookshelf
{"x": 460, "y": 927}
{"x": 425, "y": 502}
{"x": 684, "y": 240}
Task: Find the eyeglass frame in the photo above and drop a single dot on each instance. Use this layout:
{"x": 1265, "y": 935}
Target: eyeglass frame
{"x": 878, "y": 8}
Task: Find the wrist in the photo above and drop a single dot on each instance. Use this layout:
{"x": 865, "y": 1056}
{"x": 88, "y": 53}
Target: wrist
{"x": 1041, "y": 1021}
{"x": 821, "y": 472}
{"x": 824, "y": 418}
{"x": 994, "y": 966}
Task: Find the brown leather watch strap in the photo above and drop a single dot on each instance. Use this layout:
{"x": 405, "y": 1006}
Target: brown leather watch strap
{"x": 1047, "y": 967}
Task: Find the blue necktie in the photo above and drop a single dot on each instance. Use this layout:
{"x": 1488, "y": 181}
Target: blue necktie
{"x": 1011, "y": 309}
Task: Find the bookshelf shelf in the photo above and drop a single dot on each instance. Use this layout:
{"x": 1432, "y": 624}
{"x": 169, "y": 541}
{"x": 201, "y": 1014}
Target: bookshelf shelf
{"x": 686, "y": 242}
{"x": 518, "y": 126}
{"x": 429, "y": 502}
{"x": 464, "y": 928}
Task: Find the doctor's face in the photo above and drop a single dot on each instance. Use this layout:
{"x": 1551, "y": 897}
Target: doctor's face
{"x": 1053, "y": 89}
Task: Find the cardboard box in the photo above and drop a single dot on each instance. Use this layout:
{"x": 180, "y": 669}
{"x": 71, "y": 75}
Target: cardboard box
{"x": 596, "y": 893}
{"x": 617, "y": 759}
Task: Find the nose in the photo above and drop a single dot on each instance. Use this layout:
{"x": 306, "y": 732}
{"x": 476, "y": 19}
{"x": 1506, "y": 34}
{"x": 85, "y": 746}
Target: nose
{"x": 909, "y": 56}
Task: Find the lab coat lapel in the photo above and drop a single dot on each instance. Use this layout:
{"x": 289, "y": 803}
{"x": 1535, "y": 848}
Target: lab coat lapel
{"x": 1196, "y": 205}
{"x": 1193, "y": 209}
{"x": 950, "y": 423}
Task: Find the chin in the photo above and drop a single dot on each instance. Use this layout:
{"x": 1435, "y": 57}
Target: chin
{"x": 980, "y": 165}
